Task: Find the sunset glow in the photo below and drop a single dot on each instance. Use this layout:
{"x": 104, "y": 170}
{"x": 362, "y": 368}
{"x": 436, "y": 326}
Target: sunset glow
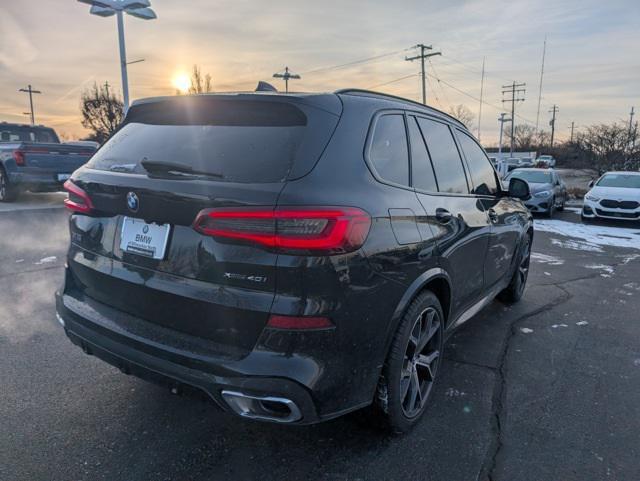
{"x": 182, "y": 82}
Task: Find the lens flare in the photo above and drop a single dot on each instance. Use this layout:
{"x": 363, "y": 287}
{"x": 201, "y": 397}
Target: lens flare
{"x": 182, "y": 82}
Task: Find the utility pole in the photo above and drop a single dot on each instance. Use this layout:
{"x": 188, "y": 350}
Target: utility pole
{"x": 500, "y": 162}
{"x": 481, "y": 93}
{"x": 552, "y": 122}
{"x": 287, "y": 75}
{"x": 573, "y": 124}
{"x": 423, "y": 56}
{"x": 516, "y": 90}
{"x": 30, "y": 91}
{"x": 544, "y": 51}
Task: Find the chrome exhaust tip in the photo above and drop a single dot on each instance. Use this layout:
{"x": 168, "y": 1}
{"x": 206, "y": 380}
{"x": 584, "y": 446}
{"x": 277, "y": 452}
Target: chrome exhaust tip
{"x": 265, "y": 408}
{"x": 60, "y": 319}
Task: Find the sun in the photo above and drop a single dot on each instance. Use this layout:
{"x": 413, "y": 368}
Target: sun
{"x": 182, "y": 82}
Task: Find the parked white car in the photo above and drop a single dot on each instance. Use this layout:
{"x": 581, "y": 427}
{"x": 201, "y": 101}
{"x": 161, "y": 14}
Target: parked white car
{"x": 547, "y": 160}
{"x": 615, "y": 195}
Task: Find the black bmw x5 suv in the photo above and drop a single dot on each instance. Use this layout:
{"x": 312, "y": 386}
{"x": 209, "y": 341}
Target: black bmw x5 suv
{"x": 294, "y": 257}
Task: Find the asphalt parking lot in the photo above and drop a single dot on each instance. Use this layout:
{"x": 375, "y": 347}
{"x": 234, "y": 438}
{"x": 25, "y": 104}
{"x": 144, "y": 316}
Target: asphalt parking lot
{"x": 548, "y": 389}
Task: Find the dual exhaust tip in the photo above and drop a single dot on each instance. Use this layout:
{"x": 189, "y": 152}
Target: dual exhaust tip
{"x": 265, "y": 408}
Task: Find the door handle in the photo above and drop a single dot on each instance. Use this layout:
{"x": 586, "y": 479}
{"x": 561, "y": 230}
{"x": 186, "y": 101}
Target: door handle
{"x": 443, "y": 215}
{"x": 493, "y": 215}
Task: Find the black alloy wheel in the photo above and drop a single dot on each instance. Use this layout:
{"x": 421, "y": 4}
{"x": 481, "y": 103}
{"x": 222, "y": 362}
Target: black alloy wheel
{"x": 421, "y": 362}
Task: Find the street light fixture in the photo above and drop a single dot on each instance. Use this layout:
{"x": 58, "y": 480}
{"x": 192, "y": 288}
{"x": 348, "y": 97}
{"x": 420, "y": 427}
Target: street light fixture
{"x": 136, "y": 8}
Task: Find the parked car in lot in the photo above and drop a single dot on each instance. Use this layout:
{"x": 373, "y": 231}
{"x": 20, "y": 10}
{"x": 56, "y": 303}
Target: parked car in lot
{"x": 546, "y": 160}
{"x": 295, "y": 257}
{"x": 32, "y": 158}
{"x": 615, "y": 195}
{"x": 514, "y": 163}
{"x": 548, "y": 191}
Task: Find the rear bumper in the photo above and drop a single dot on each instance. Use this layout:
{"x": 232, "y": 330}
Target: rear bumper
{"x": 36, "y": 179}
{"x": 180, "y": 364}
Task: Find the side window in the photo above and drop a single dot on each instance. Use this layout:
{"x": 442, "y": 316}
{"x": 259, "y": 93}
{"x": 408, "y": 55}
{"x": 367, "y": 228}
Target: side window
{"x": 447, "y": 163}
{"x": 421, "y": 169}
{"x": 389, "y": 152}
{"x": 482, "y": 174}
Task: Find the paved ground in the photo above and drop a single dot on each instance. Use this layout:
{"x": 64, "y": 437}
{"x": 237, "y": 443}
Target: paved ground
{"x": 546, "y": 390}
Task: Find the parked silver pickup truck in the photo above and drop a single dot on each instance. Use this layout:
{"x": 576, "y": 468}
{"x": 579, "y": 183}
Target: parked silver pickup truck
{"x": 32, "y": 158}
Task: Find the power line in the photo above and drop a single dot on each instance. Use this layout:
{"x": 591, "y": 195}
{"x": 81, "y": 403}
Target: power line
{"x": 422, "y": 56}
{"x": 444, "y": 94}
{"x": 393, "y": 81}
{"x": 354, "y": 62}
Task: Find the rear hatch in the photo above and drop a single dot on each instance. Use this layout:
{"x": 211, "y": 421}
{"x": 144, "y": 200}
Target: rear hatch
{"x": 137, "y": 250}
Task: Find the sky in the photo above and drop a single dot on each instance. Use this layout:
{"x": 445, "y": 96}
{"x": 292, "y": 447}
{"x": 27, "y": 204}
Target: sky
{"x": 592, "y": 67}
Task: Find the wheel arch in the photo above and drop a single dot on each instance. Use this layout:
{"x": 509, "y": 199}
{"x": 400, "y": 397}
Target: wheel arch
{"x": 436, "y": 280}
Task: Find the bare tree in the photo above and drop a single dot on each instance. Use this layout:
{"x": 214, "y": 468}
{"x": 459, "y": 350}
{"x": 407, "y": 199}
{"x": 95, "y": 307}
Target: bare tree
{"x": 199, "y": 83}
{"x": 463, "y": 114}
{"x": 606, "y": 144}
{"x": 102, "y": 112}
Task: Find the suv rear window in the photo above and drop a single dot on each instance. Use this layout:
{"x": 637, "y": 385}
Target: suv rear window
{"x": 236, "y": 140}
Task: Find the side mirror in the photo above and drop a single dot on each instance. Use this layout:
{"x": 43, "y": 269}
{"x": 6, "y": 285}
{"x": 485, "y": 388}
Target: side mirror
{"x": 591, "y": 183}
{"x": 519, "y": 189}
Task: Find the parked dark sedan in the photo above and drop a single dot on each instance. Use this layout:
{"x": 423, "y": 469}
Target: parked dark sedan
{"x": 295, "y": 257}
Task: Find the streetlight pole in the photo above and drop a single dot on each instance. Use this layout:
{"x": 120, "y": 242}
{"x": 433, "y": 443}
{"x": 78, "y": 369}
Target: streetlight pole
{"x": 123, "y": 61}
{"x": 136, "y": 8}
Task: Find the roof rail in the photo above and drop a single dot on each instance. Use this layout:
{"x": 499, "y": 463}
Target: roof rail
{"x": 372, "y": 93}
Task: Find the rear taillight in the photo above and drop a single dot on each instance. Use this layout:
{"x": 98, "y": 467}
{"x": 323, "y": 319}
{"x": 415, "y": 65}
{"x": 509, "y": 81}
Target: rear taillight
{"x": 18, "y": 156}
{"x": 326, "y": 230}
{"x": 77, "y": 200}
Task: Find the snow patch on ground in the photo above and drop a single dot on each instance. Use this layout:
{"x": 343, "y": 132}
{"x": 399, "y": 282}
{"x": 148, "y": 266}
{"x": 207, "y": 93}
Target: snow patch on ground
{"x": 556, "y": 326}
{"x": 576, "y": 245}
{"x": 526, "y": 330}
{"x": 581, "y": 323}
{"x": 607, "y": 271}
{"x": 46, "y": 260}
{"x": 546, "y": 259}
{"x": 451, "y": 392}
{"x": 591, "y": 235}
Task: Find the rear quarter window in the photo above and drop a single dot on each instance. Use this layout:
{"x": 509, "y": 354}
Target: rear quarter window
{"x": 388, "y": 150}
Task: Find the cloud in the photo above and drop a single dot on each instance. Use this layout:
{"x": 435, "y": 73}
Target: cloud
{"x": 15, "y": 47}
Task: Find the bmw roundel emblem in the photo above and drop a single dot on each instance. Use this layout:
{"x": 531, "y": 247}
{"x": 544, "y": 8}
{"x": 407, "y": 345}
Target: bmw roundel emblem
{"x": 132, "y": 202}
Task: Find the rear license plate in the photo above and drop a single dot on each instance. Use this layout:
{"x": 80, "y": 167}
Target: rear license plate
{"x": 62, "y": 177}
{"x": 148, "y": 240}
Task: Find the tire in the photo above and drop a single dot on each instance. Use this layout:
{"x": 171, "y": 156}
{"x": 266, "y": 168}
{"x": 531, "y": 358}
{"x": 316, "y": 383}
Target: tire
{"x": 409, "y": 376}
{"x": 513, "y": 292}
{"x": 552, "y": 208}
{"x": 561, "y": 207}
{"x": 8, "y": 193}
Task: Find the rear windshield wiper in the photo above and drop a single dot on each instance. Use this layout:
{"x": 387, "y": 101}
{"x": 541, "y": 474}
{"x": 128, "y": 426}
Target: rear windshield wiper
{"x": 176, "y": 170}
